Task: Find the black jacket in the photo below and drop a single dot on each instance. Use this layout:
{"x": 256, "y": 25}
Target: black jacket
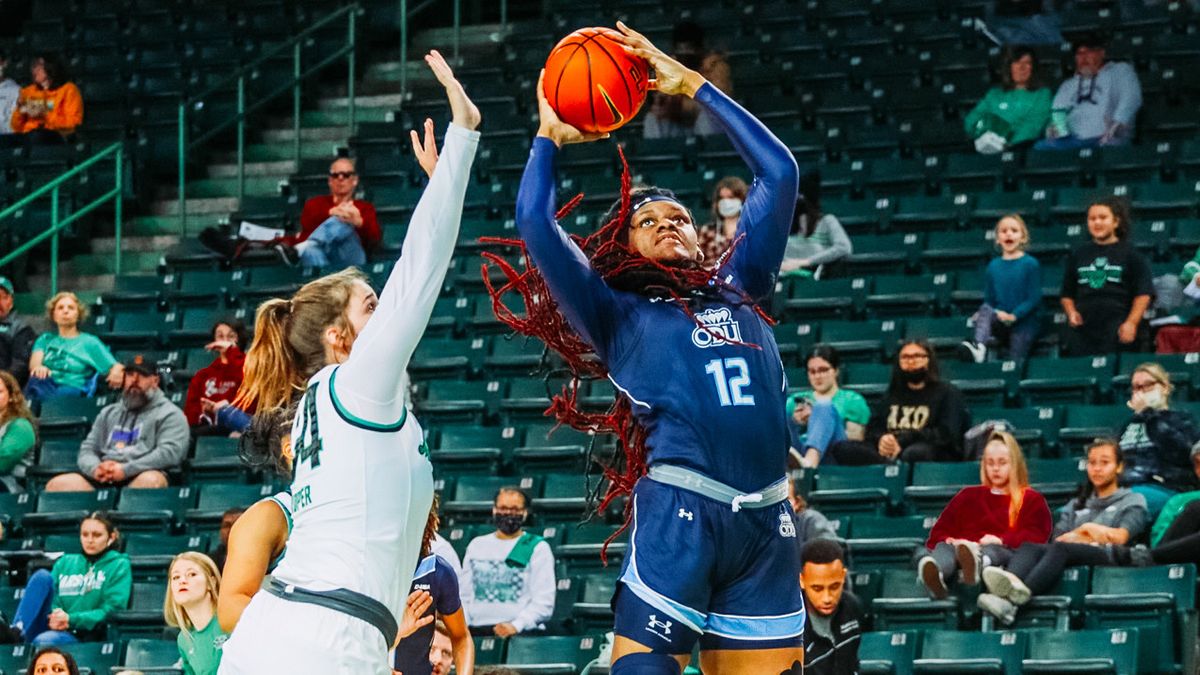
{"x": 1157, "y": 446}
{"x": 935, "y": 414}
{"x": 16, "y": 346}
{"x": 839, "y": 656}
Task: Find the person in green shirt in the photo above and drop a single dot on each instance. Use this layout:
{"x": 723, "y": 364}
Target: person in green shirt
{"x": 65, "y": 362}
{"x": 826, "y": 413}
{"x": 71, "y": 602}
{"x": 191, "y": 606}
{"x": 17, "y": 436}
{"x": 1014, "y": 113}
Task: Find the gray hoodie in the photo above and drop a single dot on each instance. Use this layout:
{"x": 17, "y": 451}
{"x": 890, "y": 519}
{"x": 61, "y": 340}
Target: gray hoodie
{"x": 155, "y": 437}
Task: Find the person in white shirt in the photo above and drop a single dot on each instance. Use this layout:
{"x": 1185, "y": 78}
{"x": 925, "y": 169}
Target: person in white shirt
{"x": 9, "y": 93}
{"x": 508, "y": 579}
{"x": 1098, "y": 106}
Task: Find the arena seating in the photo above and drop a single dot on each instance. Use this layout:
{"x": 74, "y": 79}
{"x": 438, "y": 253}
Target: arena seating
{"x": 872, "y": 92}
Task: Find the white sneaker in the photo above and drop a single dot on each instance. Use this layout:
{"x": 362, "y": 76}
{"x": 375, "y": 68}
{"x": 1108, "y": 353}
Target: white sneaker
{"x": 1006, "y": 585}
{"x": 977, "y": 351}
{"x": 931, "y": 576}
{"x": 969, "y": 561}
{"x": 1004, "y": 611}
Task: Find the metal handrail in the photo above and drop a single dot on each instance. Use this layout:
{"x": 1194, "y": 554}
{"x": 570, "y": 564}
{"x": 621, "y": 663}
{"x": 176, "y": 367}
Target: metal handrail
{"x": 299, "y": 74}
{"x": 117, "y": 152}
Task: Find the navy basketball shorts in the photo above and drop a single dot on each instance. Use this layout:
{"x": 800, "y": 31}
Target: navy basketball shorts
{"x": 695, "y": 569}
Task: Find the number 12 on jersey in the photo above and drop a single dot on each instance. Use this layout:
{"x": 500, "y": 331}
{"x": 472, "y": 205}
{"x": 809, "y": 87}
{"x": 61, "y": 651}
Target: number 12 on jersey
{"x": 730, "y": 375}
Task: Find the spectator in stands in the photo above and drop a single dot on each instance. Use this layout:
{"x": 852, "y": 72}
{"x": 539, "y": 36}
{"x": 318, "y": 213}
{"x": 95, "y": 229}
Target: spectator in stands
{"x": 676, "y": 116}
{"x": 981, "y": 521}
{"x": 1175, "y": 505}
{"x": 1014, "y": 113}
{"x": 1106, "y": 286}
{"x": 1012, "y": 296}
{"x": 50, "y": 109}
{"x": 435, "y": 576}
{"x": 191, "y": 606}
{"x": 810, "y": 523}
{"x": 834, "y": 616}
{"x": 508, "y": 582}
{"x": 1098, "y": 106}
{"x": 920, "y": 419}
{"x": 71, "y": 602}
{"x": 17, "y": 435}
{"x": 1101, "y": 514}
{"x": 336, "y": 230}
{"x": 53, "y": 661}
{"x": 825, "y": 414}
{"x": 16, "y": 336}
{"x": 221, "y": 550}
{"x": 10, "y": 91}
{"x": 715, "y": 237}
{"x": 1180, "y": 544}
{"x": 441, "y": 651}
{"x": 218, "y": 382}
{"x": 133, "y": 442}
{"x": 817, "y": 239}
{"x": 1157, "y": 441}
{"x": 69, "y": 362}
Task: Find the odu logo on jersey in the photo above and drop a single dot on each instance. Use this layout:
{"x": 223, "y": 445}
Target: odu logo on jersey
{"x": 719, "y": 322}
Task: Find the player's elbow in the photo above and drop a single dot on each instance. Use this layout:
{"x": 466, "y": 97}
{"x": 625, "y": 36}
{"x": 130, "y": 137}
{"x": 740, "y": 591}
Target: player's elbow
{"x": 229, "y": 610}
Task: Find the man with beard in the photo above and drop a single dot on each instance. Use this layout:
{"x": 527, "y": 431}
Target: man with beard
{"x": 133, "y": 442}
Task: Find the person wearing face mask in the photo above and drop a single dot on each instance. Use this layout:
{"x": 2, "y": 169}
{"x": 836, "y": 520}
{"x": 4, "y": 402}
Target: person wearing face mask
{"x": 71, "y": 602}
{"x": 508, "y": 581}
{"x": 133, "y": 442}
{"x": 817, "y": 239}
{"x": 920, "y": 419}
{"x": 714, "y": 238}
{"x": 1157, "y": 441}
{"x": 1098, "y": 105}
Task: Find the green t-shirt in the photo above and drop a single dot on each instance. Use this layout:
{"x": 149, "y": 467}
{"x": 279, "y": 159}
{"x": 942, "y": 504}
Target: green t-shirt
{"x": 73, "y": 361}
{"x": 1167, "y": 516}
{"x": 1019, "y": 115}
{"x": 201, "y": 649}
{"x": 851, "y": 406}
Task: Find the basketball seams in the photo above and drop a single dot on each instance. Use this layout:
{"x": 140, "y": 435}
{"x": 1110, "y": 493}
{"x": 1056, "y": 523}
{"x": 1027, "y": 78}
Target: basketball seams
{"x": 624, "y": 81}
{"x": 560, "y": 57}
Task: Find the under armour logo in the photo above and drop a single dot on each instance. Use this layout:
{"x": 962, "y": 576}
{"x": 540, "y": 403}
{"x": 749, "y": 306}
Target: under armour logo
{"x": 659, "y": 628}
{"x": 685, "y": 514}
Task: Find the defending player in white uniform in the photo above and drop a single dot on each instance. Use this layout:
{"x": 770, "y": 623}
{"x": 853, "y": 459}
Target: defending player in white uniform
{"x": 362, "y": 483}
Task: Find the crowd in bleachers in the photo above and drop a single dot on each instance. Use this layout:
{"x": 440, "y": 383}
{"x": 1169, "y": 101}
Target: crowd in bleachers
{"x": 883, "y": 280}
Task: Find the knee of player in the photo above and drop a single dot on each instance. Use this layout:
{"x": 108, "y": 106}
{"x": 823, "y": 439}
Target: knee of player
{"x": 645, "y": 664}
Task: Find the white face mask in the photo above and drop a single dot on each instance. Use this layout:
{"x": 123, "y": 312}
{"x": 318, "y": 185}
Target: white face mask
{"x": 1153, "y": 398}
{"x": 729, "y": 207}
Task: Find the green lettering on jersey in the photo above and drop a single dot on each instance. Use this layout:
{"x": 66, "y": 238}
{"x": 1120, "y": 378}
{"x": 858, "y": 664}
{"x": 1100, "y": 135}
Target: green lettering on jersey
{"x": 309, "y": 449}
{"x": 302, "y": 498}
{"x": 424, "y": 450}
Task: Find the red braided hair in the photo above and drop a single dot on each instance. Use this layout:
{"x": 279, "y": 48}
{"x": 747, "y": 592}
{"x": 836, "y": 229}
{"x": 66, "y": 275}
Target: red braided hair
{"x": 613, "y": 260}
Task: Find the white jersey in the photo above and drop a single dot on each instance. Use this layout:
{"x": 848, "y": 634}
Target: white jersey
{"x": 363, "y": 483}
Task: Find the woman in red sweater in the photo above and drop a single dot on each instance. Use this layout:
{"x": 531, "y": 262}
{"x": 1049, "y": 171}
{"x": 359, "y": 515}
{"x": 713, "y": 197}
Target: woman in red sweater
{"x": 218, "y": 381}
{"x": 989, "y": 519}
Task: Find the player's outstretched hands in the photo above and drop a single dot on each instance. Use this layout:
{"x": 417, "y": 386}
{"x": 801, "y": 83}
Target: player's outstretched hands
{"x": 464, "y": 113}
{"x": 427, "y": 152}
{"x": 554, "y": 128}
{"x": 418, "y": 603}
{"x": 670, "y": 76}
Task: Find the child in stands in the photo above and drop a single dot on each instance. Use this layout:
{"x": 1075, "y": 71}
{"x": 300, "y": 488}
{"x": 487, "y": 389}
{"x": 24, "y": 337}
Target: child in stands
{"x": 1012, "y": 295}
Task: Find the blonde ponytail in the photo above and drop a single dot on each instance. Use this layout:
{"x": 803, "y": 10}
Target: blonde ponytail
{"x": 269, "y": 375}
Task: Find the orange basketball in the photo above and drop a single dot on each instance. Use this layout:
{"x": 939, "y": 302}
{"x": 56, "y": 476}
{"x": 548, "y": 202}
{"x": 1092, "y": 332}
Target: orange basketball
{"x": 592, "y": 83}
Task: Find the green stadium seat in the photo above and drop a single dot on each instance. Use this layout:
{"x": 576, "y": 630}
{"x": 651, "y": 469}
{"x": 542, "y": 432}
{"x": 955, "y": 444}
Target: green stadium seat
{"x": 465, "y": 449}
{"x": 550, "y": 655}
{"x": 1085, "y": 422}
{"x": 904, "y": 603}
{"x": 1166, "y": 200}
{"x": 144, "y": 617}
{"x": 527, "y": 398}
{"x": 514, "y": 356}
{"x": 902, "y": 295}
{"x": 196, "y": 324}
{"x": 217, "y": 498}
{"x": 1051, "y": 167}
{"x": 882, "y": 527}
{"x": 1032, "y": 426}
{"x": 142, "y": 510}
{"x": 963, "y": 653}
{"x": 583, "y": 543}
{"x": 1185, "y": 237}
{"x": 935, "y": 483}
{"x": 474, "y": 495}
{"x": 61, "y": 512}
{"x": 1181, "y": 367}
{"x": 97, "y": 657}
{"x": 828, "y": 298}
{"x": 1053, "y": 610}
{"x": 216, "y": 459}
{"x": 457, "y": 401}
{"x": 1114, "y": 652}
{"x": 979, "y": 173}
{"x": 882, "y": 253}
{"x": 1067, "y": 379}
{"x": 1031, "y": 204}
{"x": 888, "y": 653}
{"x": 1158, "y": 601}
{"x": 489, "y": 650}
{"x": 158, "y": 656}
{"x": 460, "y": 536}
{"x": 983, "y": 384}
{"x": 61, "y": 543}
{"x": 879, "y": 542}
{"x": 68, "y": 415}
{"x": 852, "y": 490}
{"x": 445, "y": 358}
{"x": 593, "y": 609}
{"x": 564, "y": 496}
{"x": 449, "y": 315}
{"x": 204, "y": 286}
{"x": 130, "y": 290}
{"x": 150, "y": 554}
{"x": 1057, "y": 479}
{"x": 133, "y": 330}
{"x": 944, "y": 334}
{"x": 930, "y": 212}
{"x": 13, "y": 508}
{"x": 953, "y": 250}
{"x": 869, "y": 379}
{"x": 548, "y": 449}
{"x": 858, "y": 340}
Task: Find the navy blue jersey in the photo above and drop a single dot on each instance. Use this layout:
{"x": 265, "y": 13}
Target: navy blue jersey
{"x": 711, "y": 406}
{"x": 436, "y": 576}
